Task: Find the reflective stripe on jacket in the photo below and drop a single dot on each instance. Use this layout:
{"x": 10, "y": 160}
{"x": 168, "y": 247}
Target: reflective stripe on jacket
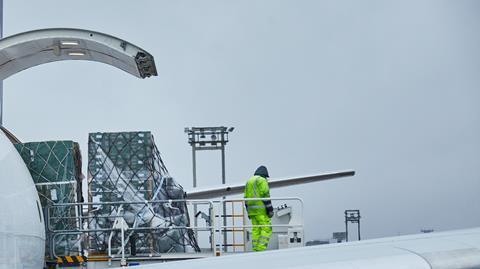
{"x": 257, "y": 187}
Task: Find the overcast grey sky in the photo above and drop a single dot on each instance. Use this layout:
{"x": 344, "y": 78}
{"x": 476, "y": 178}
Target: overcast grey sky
{"x": 388, "y": 88}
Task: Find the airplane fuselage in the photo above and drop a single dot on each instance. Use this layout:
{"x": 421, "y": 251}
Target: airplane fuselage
{"x": 22, "y": 232}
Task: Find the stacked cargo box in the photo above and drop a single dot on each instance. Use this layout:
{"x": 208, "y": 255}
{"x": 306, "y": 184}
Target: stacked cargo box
{"x": 126, "y": 154}
{"x": 126, "y": 167}
{"x": 56, "y": 169}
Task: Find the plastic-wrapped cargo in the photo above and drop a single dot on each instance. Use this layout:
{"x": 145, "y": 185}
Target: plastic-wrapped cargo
{"x": 127, "y": 167}
{"x": 56, "y": 169}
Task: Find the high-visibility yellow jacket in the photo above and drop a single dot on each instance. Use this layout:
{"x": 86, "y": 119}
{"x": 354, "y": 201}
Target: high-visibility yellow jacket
{"x": 257, "y": 187}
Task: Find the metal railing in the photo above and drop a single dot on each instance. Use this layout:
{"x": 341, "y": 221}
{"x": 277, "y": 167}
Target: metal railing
{"x": 222, "y": 230}
{"x": 96, "y": 231}
{"x": 107, "y": 227}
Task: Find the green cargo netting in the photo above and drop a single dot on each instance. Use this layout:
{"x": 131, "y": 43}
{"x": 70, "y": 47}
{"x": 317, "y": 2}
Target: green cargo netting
{"x": 51, "y": 161}
{"x": 55, "y": 167}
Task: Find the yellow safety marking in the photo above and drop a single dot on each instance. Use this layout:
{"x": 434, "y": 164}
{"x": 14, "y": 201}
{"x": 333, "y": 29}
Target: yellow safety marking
{"x": 69, "y": 259}
{"x": 98, "y": 259}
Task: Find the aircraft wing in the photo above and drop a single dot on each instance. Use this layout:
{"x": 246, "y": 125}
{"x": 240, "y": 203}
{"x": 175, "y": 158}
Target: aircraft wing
{"x": 273, "y": 183}
{"x": 455, "y": 249}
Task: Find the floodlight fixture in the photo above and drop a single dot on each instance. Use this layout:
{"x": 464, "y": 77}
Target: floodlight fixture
{"x": 208, "y": 138}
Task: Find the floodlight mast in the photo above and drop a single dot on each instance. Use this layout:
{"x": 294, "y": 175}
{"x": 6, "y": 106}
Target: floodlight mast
{"x": 353, "y": 216}
{"x": 209, "y": 138}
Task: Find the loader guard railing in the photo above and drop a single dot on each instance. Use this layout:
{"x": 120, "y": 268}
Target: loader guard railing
{"x": 145, "y": 231}
{"x": 228, "y": 233}
{"x": 120, "y": 235}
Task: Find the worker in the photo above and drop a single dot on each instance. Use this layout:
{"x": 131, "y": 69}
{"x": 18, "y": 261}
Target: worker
{"x": 259, "y": 211}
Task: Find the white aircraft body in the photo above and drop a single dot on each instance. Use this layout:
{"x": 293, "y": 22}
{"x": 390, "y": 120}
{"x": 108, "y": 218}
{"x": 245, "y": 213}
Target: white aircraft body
{"x": 446, "y": 250}
{"x": 22, "y": 234}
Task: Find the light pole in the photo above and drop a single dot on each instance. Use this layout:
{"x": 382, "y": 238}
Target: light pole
{"x": 352, "y": 216}
{"x": 209, "y": 138}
